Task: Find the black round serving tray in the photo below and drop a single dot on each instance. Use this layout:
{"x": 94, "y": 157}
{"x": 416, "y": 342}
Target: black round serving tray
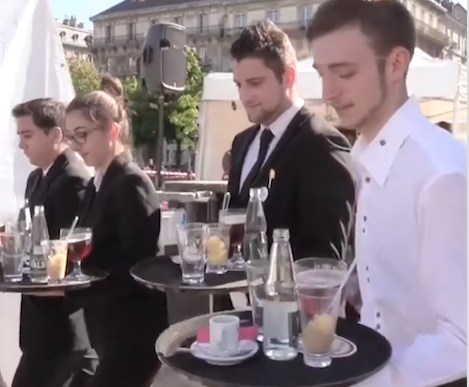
{"x": 163, "y": 274}
{"x": 26, "y": 286}
{"x": 373, "y": 353}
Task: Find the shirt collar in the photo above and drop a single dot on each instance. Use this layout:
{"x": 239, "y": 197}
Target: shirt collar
{"x": 279, "y": 126}
{"x": 98, "y": 179}
{"x": 378, "y": 156}
{"x": 45, "y": 171}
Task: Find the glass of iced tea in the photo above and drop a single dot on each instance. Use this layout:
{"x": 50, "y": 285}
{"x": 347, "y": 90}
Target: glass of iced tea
{"x": 217, "y": 245}
{"x": 56, "y": 262}
{"x": 79, "y": 247}
{"x": 235, "y": 218}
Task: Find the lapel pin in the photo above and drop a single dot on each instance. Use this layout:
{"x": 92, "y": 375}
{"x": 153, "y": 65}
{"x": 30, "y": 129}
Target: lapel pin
{"x": 271, "y": 178}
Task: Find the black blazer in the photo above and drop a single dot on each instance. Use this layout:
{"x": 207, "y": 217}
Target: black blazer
{"x": 125, "y": 218}
{"x": 44, "y": 321}
{"x": 313, "y": 182}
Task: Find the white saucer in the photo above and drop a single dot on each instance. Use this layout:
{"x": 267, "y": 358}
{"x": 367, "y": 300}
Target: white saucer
{"x": 176, "y": 259}
{"x": 203, "y": 351}
{"x": 341, "y": 347}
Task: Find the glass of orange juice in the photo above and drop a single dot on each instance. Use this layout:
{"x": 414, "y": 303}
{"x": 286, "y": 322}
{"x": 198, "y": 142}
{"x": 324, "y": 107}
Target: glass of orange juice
{"x": 56, "y": 261}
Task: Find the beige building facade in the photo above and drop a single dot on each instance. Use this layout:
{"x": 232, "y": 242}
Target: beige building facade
{"x": 212, "y": 25}
{"x": 77, "y": 41}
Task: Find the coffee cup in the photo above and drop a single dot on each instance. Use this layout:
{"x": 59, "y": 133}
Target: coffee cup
{"x": 224, "y": 334}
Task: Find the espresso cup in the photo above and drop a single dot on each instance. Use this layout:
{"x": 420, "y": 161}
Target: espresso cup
{"x": 224, "y": 334}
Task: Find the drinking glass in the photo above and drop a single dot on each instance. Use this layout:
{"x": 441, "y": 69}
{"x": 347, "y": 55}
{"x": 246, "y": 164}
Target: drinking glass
{"x": 56, "y": 261}
{"x": 235, "y": 218}
{"x": 217, "y": 245}
{"x": 318, "y": 281}
{"x": 13, "y": 250}
{"x": 79, "y": 247}
{"x": 191, "y": 239}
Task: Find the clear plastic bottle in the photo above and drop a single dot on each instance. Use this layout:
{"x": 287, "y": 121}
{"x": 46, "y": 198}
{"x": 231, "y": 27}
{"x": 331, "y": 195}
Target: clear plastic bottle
{"x": 281, "y": 320}
{"x": 39, "y": 235}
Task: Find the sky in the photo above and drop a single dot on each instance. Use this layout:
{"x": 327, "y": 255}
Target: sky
{"x": 84, "y": 9}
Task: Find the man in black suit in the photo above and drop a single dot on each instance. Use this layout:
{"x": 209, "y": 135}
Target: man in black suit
{"x": 51, "y": 356}
{"x": 304, "y": 161}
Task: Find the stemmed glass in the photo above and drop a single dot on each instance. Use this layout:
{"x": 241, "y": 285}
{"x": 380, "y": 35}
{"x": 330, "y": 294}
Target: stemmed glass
{"x": 79, "y": 247}
{"x": 235, "y": 219}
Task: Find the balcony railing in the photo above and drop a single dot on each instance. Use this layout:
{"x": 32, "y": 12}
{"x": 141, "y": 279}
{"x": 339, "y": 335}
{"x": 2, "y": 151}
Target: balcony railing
{"x": 213, "y": 31}
{"x": 431, "y": 32}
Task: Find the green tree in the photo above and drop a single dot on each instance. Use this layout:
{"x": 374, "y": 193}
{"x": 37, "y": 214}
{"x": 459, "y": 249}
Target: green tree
{"x": 85, "y": 76}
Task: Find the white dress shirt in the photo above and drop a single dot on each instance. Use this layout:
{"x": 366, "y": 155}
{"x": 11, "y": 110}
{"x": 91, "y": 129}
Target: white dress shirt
{"x": 411, "y": 248}
{"x": 277, "y": 128}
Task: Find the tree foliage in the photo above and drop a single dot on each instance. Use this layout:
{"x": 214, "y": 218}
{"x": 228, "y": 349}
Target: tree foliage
{"x": 85, "y": 76}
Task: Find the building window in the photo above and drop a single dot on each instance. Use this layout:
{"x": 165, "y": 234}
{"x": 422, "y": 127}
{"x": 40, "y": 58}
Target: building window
{"x": 203, "y": 22}
{"x": 273, "y": 15}
{"x": 305, "y": 14}
{"x": 108, "y": 34}
{"x": 131, "y": 31}
{"x": 241, "y": 20}
{"x": 178, "y": 20}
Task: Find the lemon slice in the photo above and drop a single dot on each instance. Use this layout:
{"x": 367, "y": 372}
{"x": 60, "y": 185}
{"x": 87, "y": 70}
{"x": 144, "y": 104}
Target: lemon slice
{"x": 217, "y": 253}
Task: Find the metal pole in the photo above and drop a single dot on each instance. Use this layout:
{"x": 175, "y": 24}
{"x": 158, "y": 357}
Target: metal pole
{"x": 160, "y": 141}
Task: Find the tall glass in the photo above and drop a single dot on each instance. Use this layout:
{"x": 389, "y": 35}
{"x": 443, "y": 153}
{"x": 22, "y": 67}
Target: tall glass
{"x": 13, "y": 246}
{"x": 318, "y": 281}
{"x": 217, "y": 245}
{"x": 79, "y": 247}
{"x": 235, "y": 219}
{"x": 56, "y": 261}
{"x": 191, "y": 238}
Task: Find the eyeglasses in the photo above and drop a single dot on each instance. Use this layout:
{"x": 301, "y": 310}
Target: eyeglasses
{"x": 78, "y": 137}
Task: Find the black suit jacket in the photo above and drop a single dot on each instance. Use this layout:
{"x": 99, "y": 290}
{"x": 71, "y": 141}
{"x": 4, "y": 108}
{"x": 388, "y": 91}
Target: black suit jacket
{"x": 44, "y": 320}
{"x": 313, "y": 182}
{"x": 125, "y": 218}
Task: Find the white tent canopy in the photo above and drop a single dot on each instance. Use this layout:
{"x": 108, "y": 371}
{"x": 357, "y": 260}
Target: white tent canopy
{"x": 427, "y": 78}
{"x": 32, "y": 65}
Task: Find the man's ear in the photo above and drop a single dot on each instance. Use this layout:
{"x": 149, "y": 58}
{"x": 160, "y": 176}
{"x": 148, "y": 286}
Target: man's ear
{"x": 57, "y": 134}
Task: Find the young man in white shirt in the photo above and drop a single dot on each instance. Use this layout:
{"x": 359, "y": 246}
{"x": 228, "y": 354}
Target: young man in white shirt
{"x": 411, "y": 218}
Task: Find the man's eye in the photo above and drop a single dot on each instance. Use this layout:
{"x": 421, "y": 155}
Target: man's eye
{"x": 347, "y": 75}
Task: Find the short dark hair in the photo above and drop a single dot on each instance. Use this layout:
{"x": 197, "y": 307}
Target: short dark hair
{"x": 264, "y": 40}
{"x": 445, "y": 125}
{"x": 387, "y": 23}
{"x": 44, "y": 112}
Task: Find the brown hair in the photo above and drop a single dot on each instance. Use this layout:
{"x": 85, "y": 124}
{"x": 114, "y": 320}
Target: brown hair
{"x": 387, "y": 23}
{"x": 445, "y": 125}
{"x": 105, "y": 107}
{"x": 264, "y": 40}
{"x": 44, "y": 112}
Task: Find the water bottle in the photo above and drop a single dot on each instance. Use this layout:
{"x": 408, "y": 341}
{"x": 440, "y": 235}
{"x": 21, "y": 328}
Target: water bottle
{"x": 255, "y": 228}
{"x": 38, "y": 255}
{"x": 281, "y": 316}
{"x": 255, "y": 252}
{"x": 24, "y": 225}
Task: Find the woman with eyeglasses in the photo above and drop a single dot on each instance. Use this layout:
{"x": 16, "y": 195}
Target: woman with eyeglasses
{"x": 123, "y": 319}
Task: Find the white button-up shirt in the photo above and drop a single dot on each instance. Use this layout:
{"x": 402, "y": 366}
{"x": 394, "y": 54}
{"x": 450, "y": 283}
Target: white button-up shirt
{"x": 278, "y": 127}
{"x": 411, "y": 233}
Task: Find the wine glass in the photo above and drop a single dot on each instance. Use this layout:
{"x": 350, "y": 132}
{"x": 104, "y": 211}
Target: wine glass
{"x": 79, "y": 247}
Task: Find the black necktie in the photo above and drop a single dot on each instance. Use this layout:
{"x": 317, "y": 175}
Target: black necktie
{"x": 266, "y": 138}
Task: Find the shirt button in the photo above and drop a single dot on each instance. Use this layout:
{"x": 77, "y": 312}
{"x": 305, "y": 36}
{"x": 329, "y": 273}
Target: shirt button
{"x": 363, "y": 231}
{"x": 367, "y": 179}
{"x": 368, "y": 279}
{"x": 378, "y": 327}
{"x": 378, "y": 314}
{"x": 365, "y": 218}
{"x": 382, "y": 142}
{"x": 367, "y": 268}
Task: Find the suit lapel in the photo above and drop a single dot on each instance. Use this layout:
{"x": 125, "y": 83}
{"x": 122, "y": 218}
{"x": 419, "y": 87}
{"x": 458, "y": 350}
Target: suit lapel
{"x": 94, "y": 201}
{"x": 239, "y": 162}
{"x": 292, "y": 129}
